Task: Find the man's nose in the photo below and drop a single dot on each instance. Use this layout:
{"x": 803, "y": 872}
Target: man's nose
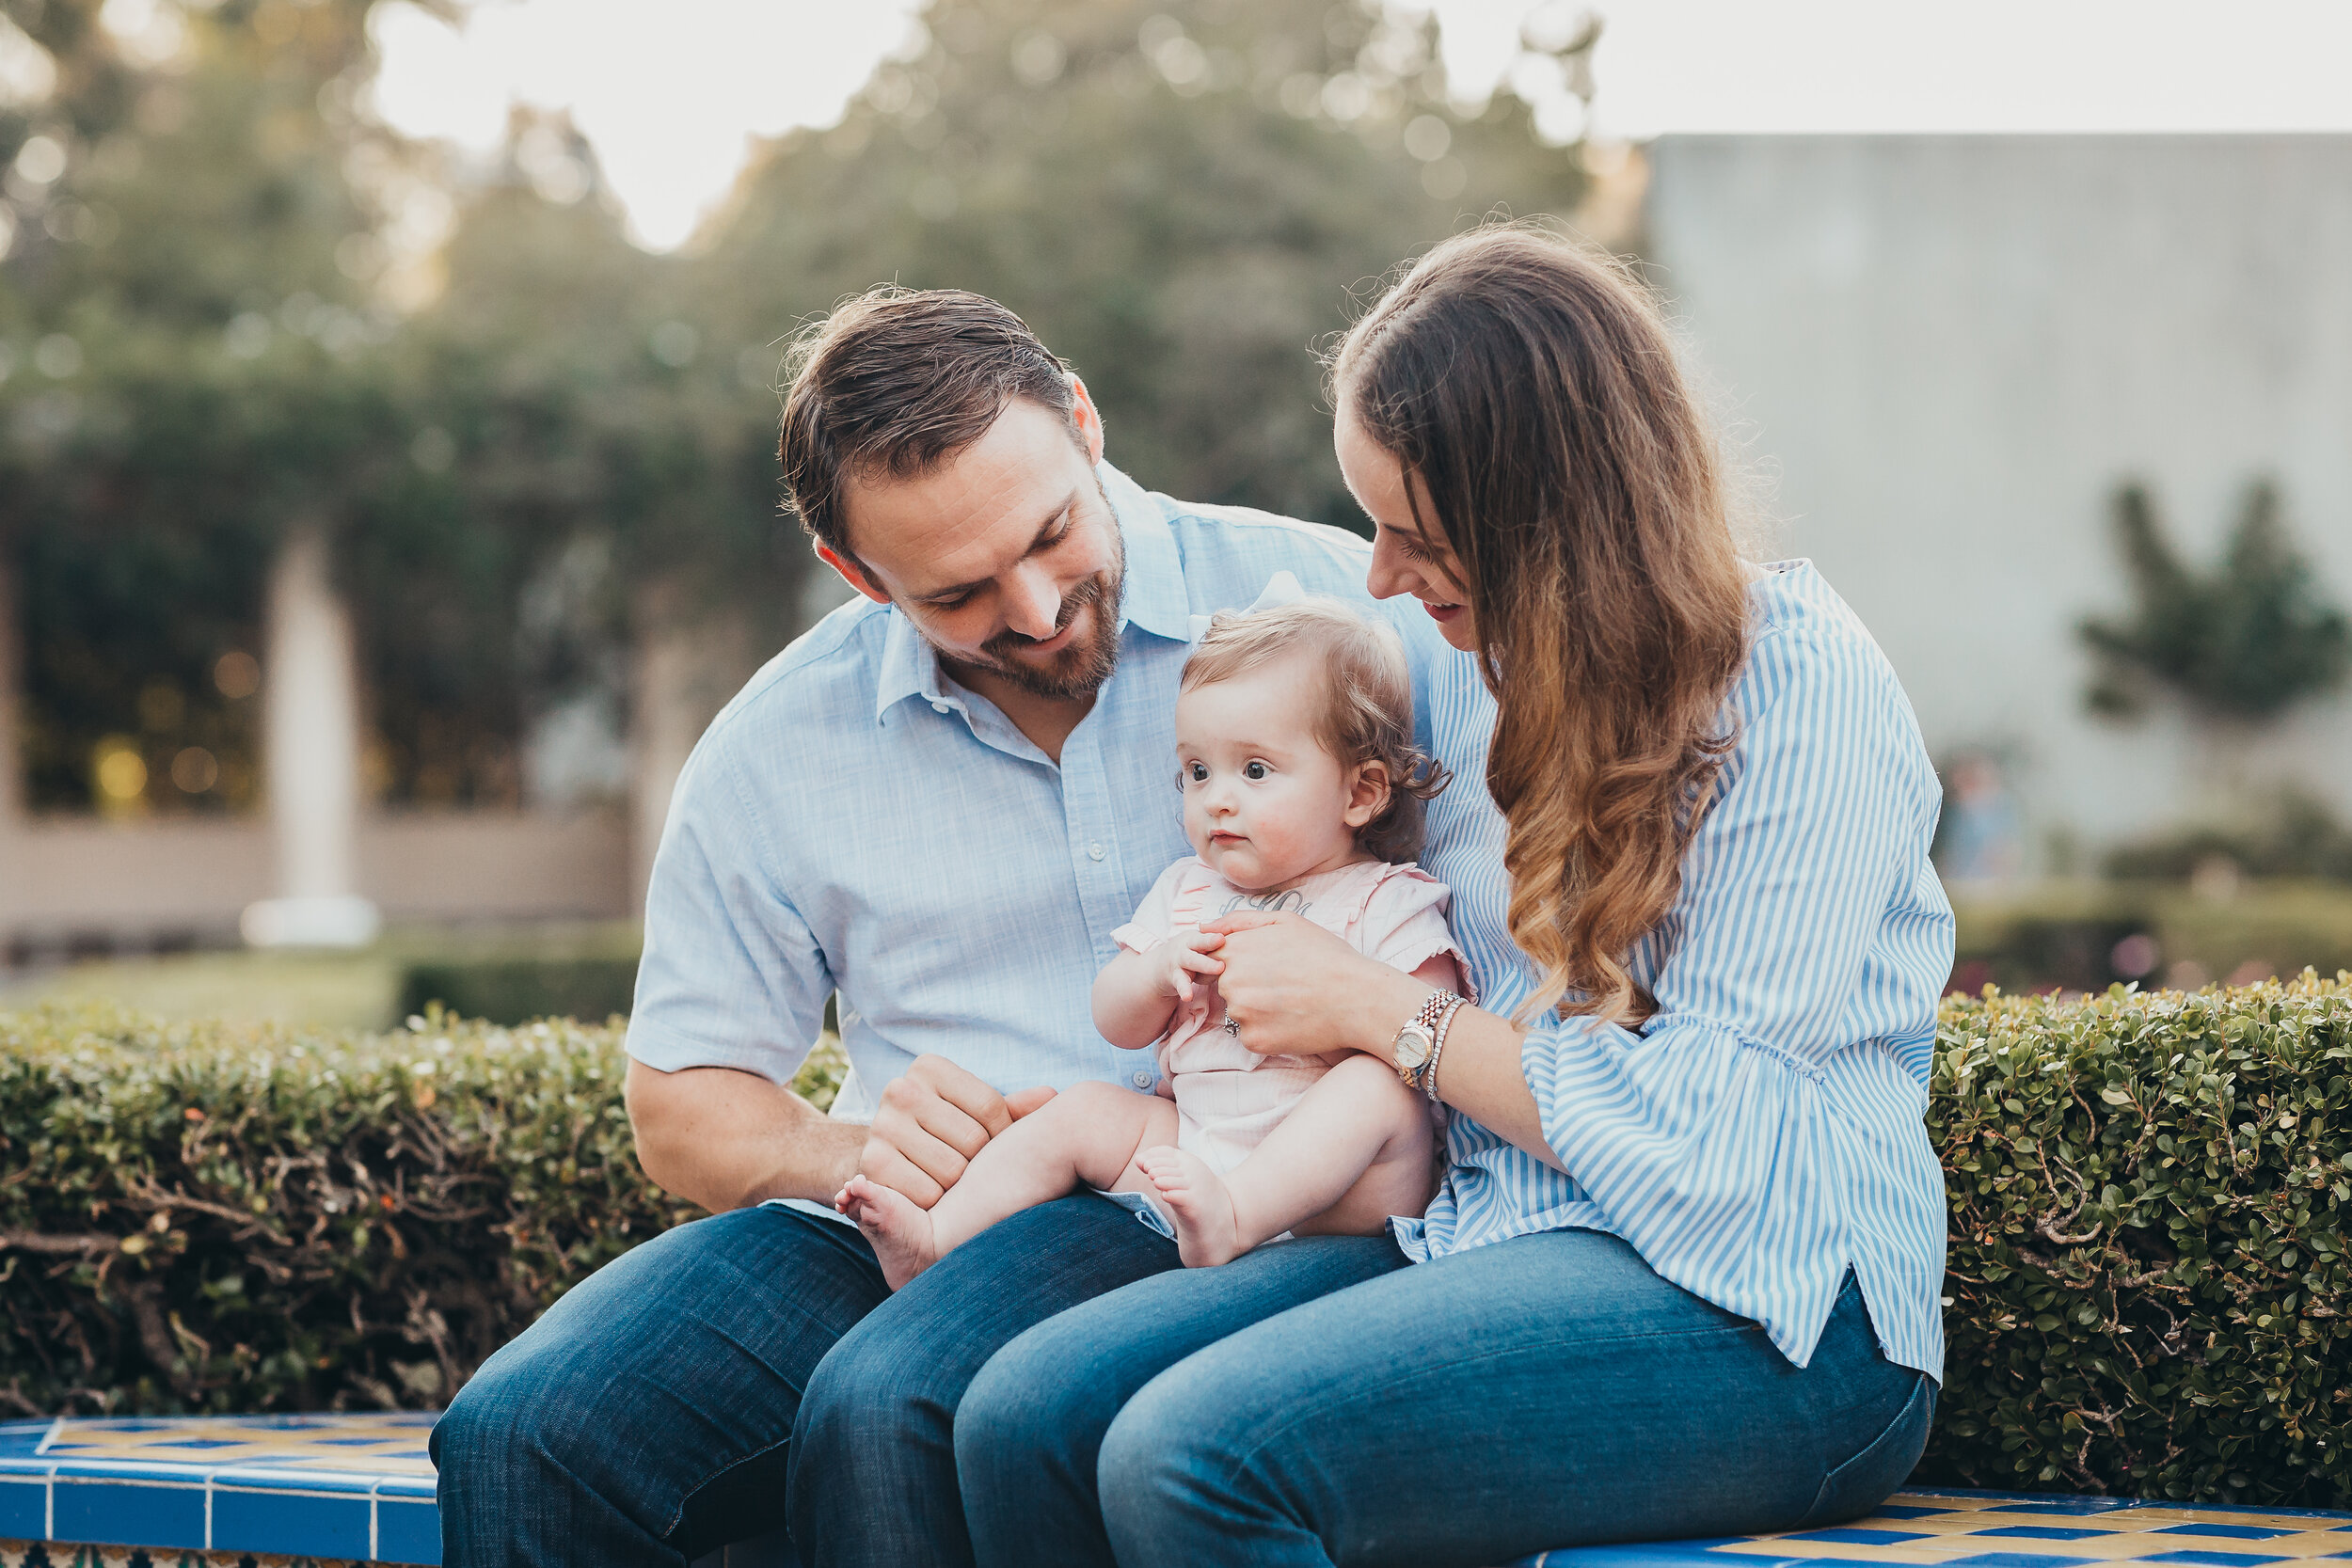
{"x": 1034, "y": 604}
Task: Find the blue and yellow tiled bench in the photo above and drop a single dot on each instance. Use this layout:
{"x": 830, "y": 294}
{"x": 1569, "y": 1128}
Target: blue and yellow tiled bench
{"x": 190, "y": 1491}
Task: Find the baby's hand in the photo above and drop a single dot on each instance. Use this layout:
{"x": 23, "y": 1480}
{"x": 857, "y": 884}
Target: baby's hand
{"x": 1177, "y": 958}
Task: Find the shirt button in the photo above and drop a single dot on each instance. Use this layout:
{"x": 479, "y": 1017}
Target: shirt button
{"x": 1094, "y": 851}
{"x": 1143, "y": 1080}
{"x": 939, "y": 707}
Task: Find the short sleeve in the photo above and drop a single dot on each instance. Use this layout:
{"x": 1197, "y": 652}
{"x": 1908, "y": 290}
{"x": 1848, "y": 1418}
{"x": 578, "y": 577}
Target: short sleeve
{"x": 1155, "y": 917}
{"x": 731, "y": 974}
{"x": 1404, "y": 922}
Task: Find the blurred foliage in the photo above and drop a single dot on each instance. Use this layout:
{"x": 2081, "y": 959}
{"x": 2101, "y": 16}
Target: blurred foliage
{"x": 505, "y": 975}
{"x": 2073, "y": 936}
{"x": 2150, "y": 1278}
{"x": 232, "y": 306}
{"x": 208, "y": 1216}
{"x": 2148, "y": 1248}
{"x": 2246, "y": 640}
{"x": 2298, "y": 837}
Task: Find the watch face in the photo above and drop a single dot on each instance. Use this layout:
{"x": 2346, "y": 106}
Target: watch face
{"x": 1412, "y": 1045}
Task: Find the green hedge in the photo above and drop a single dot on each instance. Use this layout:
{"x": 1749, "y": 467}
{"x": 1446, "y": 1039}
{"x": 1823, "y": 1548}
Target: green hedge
{"x": 256, "y": 1218}
{"x": 2148, "y": 1283}
{"x": 516, "y": 989}
{"x": 2150, "y": 1203}
{"x": 2067, "y": 934}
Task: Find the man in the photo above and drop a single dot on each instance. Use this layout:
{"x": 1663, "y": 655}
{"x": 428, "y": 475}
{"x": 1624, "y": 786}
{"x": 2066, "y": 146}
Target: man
{"x": 938, "y": 804}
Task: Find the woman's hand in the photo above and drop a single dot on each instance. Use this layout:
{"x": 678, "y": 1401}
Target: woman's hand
{"x": 1294, "y": 989}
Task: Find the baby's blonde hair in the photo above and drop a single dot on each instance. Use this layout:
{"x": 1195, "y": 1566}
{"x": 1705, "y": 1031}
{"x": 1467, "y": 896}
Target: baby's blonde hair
{"x": 1367, "y": 709}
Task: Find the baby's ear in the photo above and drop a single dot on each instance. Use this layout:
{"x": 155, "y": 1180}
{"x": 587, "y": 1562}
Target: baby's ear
{"x": 1367, "y": 794}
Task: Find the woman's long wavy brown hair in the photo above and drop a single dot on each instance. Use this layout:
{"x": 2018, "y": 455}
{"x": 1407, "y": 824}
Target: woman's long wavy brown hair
{"x": 1529, "y": 387}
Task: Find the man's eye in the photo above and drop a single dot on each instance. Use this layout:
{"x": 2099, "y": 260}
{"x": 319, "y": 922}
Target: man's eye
{"x": 1253, "y": 771}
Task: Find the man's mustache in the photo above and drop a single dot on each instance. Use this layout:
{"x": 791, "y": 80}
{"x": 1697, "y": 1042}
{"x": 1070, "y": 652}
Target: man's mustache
{"x": 1009, "y": 642}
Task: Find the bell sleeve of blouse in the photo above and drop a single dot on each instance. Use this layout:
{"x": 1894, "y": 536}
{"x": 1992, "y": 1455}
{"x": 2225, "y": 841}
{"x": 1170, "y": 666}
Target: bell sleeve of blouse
{"x": 1706, "y": 1136}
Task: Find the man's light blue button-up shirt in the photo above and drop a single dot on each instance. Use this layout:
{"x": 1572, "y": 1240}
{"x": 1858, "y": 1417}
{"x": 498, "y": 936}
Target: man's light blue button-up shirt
{"x": 854, "y": 821}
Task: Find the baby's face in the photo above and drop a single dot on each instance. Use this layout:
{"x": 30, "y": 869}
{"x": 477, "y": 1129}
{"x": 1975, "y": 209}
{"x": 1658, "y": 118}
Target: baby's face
{"x": 1265, "y": 803}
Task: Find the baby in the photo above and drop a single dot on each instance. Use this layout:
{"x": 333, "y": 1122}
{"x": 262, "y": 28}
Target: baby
{"x": 1302, "y": 788}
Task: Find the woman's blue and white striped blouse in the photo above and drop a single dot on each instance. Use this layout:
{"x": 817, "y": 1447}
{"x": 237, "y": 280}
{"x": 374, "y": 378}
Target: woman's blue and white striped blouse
{"x": 1764, "y": 1130}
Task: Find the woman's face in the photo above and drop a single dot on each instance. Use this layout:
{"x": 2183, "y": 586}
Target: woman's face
{"x": 1406, "y": 557}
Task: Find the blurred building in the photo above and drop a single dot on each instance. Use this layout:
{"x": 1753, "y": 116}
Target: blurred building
{"x": 1943, "y": 353}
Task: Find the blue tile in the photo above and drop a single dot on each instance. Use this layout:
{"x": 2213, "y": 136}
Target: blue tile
{"x": 2063, "y": 1505}
{"x": 1849, "y": 1536}
{"x": 27, "y": 1467}
{"x": 1679, "y": 1554}
{"x": 2236, "y": 1533}
{"x": 23, "y": 1439}
{"x": 2044, "y": 1532}
{"x": 195, "y": 1443}
{"x": 2209, "y": 1559}
{"x": 184, "y": 1472}
{"x": 287, "y": 1522}
{"x": 408, "y": 1486}
{"x": 2012, "y": 1559}
{"x": 123, "y": 1514}
{"x": 408, "y": 1531}
{"x": 24, "y": 1509}
{"x": 283, "y": 1478}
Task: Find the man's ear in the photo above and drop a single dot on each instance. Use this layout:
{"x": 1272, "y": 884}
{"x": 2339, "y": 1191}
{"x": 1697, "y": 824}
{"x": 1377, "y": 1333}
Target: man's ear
{"x": 1367, "y": 793}
{"x": 853, "y": 573}
{"x": 1089, "y": 420}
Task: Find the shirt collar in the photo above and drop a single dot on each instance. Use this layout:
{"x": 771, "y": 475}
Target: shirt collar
{"x": 1156, "y": 600}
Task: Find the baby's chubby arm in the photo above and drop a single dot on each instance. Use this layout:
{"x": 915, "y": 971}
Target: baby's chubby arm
{"x": 1137, "y": 993}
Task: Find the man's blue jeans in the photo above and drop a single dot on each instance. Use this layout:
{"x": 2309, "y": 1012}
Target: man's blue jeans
{"x": 750, "y": 1368}
{"x": 1547, "y": 1391}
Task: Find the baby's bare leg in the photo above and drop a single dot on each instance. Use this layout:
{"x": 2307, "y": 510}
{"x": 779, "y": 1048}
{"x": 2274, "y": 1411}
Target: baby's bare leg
{"x": 1355, "y": 1150}
{"x": 1088, "y": 1133}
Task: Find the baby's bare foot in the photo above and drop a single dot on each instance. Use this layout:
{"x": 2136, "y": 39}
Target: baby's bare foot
{"x": 1206, "y": 1231}
{"x": 900, "y": 1232}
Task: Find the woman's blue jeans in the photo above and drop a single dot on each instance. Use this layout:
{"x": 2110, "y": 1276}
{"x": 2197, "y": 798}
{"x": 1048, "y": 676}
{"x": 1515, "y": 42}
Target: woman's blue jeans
{"x": 1548, "y": 1391}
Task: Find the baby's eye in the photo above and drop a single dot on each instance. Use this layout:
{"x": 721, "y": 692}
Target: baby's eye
{"x": 1197, "y": 772}
{"x": 1253, "y": 771}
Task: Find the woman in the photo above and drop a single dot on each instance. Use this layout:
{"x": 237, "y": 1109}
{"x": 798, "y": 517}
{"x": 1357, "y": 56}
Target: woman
{"x": 1682, "y": 1278}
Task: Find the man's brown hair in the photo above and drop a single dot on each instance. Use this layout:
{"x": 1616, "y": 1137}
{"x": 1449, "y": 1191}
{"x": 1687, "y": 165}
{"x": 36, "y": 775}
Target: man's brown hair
{"x": 894, "y": 381}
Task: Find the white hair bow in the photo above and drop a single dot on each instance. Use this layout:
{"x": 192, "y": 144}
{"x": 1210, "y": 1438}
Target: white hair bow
{"x": 1280, "y": 589}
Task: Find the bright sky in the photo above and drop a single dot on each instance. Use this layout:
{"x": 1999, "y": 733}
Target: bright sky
{"x": 670, "y": 90}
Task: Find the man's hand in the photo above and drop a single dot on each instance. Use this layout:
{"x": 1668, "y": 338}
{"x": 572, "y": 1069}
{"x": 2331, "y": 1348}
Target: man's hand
{"x": 931, "y": 1122}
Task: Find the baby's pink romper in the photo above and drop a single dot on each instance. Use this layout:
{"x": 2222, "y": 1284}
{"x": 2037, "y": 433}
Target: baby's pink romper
{"x": 1228, "y": 1096}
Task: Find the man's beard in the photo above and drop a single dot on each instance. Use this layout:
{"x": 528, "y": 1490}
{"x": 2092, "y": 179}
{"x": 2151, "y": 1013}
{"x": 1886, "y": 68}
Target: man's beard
{"x": 1078, "y": 671}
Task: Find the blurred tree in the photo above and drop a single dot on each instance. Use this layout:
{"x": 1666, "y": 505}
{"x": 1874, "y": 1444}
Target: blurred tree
{"x": 2245, "y": 642}
{"x": 557, "y": 448}
{"x": 1178, "y": 195}
{"x": 185, "y": 269}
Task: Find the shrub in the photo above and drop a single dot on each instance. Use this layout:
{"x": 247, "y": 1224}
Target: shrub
{"x": 500, "y": 989}
{"x": 2149, "y": 1201}
{"x": 2072, "y": 936}
{"x": 2150, "y": 1197}
{"x": 207, "y": 1217}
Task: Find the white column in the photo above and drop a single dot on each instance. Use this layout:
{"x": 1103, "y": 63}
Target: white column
{"x": 11, "y": 761}
{"x": 691, "y": 656}
{"x": 310, "y": 760}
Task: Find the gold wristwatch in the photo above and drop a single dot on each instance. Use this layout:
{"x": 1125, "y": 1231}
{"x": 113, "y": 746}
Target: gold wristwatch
{"x": 1417, "y": 1043}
